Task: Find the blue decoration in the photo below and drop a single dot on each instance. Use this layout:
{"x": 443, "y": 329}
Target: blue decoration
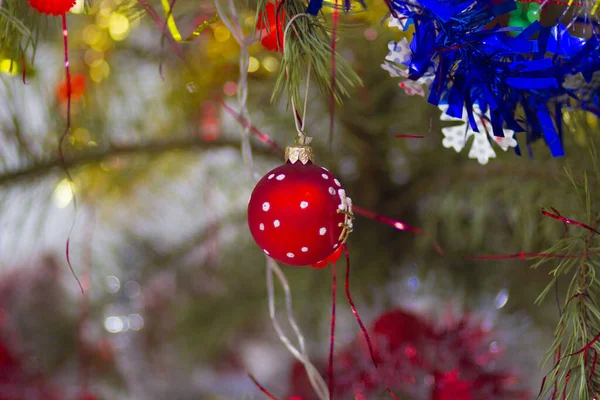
{"x": 314, "y": 6}
{"x": 518, "y": 79}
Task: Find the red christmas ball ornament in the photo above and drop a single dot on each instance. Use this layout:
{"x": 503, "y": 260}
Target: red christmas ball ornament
{"x": 52, "y": 7}
{"x": 299, "y": 213}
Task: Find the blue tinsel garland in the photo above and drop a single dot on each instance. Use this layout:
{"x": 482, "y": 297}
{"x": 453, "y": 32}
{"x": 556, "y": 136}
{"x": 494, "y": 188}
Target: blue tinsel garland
{"x": 519, "y": 79}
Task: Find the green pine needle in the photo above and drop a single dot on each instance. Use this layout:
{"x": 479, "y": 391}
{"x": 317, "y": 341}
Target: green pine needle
{"x": 574, "y": 373}
{"x": 309, "y": 43}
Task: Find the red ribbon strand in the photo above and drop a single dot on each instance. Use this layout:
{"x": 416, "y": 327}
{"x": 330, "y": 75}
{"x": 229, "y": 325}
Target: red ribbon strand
{"x": 262, "y": 388}
{"x": 566, "y": 221}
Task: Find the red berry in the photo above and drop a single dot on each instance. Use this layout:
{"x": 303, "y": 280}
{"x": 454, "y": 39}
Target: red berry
{"x": 52, "y": 7}
{"x": 296, "y": 214}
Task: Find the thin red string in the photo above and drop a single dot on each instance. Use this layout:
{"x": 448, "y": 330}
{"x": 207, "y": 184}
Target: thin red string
{"x": 332, "y": 332}
{"x": 262, "y": 388}
{"x": 84, "y": 313}
{"x": 587, "y": 346}
{"x": 60, "y": 146}
{"x": 542, "y": 387}
{"x": 566, "y": 221}
{"x": 388, "y": 3}
{"x": 333, "y": 73}
{"x": 564, "y": 396}
{"x": 360, "y": 323}
{"x": 259, "y": 135}
{"x": 576, "y": 295}
{"x": 410, "y": 136}
{"x": 553, "y": 2}
{"x": 530, "y": 255}
{"x": 24, "y": 66}
{"x": 401, "y": 226}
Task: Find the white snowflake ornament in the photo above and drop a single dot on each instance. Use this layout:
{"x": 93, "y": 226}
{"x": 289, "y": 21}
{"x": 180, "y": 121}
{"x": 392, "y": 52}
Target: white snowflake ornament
{"x": 399, "y": 55}
{"x": 412, "y": 87}
{"x": 481, "y": 149}
{"x": 400, "y": 52}
{"x": 394, "y": 70}
{"x": 399, "y": 22}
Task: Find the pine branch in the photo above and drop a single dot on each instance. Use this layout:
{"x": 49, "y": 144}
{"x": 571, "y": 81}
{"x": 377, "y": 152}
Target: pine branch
{"x": 18, "y": 28}
{"x": 308, "y": 43}
{"x": 573, "y": 354}
{"x": 45, "y": 167}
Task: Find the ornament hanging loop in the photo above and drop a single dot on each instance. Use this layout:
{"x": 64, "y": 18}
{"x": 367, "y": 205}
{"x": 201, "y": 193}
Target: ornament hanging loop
{"x": 302, "y": 139}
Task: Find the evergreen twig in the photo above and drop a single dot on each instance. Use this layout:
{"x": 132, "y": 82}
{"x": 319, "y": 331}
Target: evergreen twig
{"x": 573, "y": 354}
{"x": 309, "y": 43}
{"x": 45, "y": 167}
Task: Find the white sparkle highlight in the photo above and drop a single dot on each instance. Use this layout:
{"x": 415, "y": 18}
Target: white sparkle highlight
{"x": 271, "y": 176}
{"x": 280, "y": 177}
{"x": 304, "y": 249}
{"x": 290, "y": 255}
{"x": 303, "y": 204}
{"x": 266, "y": 206}
{"x": 266, "y": 252}
{"x": 332, "y": 191}
{"x": 322, "y": 231}
{"x": 399, "y": 225}
{"x": 261, "y": 227}
{"x": 337, "y": 182}
{"x": 276, "y": 223}
{"x": 324, "y": 176}
{"x": 335, "y": 246}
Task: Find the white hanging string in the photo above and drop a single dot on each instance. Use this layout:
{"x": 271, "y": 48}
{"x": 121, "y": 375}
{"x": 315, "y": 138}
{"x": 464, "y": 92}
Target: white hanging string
{"x": 315, "y": 378}
{"x": 299, "y": 124}
{"x": 242, "y": 87}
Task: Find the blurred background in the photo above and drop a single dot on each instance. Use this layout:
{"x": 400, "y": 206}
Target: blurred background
{"x": 175, "y": 305}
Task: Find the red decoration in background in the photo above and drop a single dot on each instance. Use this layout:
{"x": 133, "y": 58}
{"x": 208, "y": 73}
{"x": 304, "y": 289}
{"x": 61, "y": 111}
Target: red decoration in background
{"x": 397, "y": 329}
{"x": 209, "y": 124}
{"x": 15, "y": 384}
{"x": 77, "y": 89}
{"x": 271, "y": 32}
{"x": 52, "y": 7}
{"x": 450, "y": 387}
{"x": 457, "y": 359}
{"x": 293, "y": 214}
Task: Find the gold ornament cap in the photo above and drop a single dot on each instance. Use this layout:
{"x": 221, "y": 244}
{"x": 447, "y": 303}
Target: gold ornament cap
{"x": 296, "y": 153}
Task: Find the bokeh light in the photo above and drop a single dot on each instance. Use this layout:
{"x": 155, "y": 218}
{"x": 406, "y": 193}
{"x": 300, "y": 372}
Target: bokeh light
{"x": 253, "y": 64}
{"x": 9, "y": 67}
{"x": 118, "y": 26}
{"x": 63, "y": 194}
